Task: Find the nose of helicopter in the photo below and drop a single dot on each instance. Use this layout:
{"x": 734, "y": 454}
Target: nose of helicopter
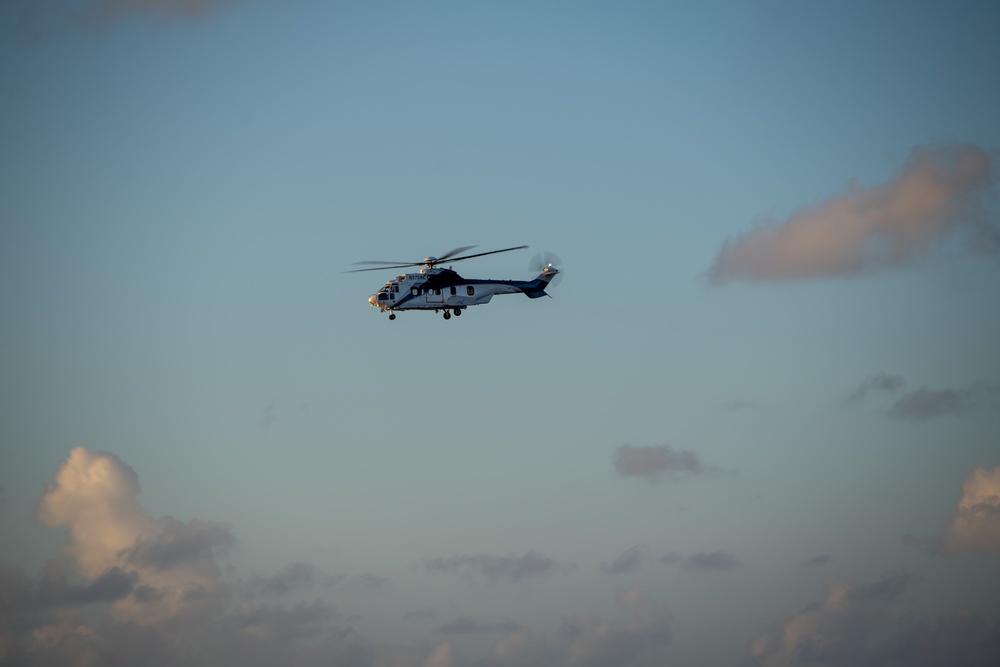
{"x": 373, "y": 299}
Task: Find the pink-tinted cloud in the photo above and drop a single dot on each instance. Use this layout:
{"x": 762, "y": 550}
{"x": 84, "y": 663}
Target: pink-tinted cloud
{"x": 95, "y": 496}
{"x": 654, "y": 462}
{"x": 135, "y": 589}
{"x": 975, "y": 526}
{"x": 937, "y": 196}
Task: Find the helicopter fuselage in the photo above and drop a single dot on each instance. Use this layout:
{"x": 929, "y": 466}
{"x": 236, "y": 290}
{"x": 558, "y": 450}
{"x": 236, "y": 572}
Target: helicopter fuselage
{"x": 443, "y": 289}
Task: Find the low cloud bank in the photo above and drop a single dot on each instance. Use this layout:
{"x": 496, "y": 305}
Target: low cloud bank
{"x": 858, "y": 624}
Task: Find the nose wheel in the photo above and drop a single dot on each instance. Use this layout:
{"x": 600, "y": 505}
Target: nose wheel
{"x": 447, "y": 315}
{"x": 392, "y": 316}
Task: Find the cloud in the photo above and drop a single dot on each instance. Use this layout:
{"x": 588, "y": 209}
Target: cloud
{"x": 303, "y": 634}
{"x": 937, "y": 196}
{"x": 298, "y": 576}
{"x": 975, "y": 526}
{"x": 654, "y": 462}
{"x": 53, "y": 590}
{"x": 627, "y": 562}
{"x": 443, "y": 655}
{"x": 95, "y": 495}
{"x": 498, "y": 568}
{"x": 715, "y": 561}
{"x": 466, "y": 625}
{"x": 394, "y": 655}
{"x": 294, "y": 576}
{"x": 133, "y": 589}
{"x": 880, "y": 382}
{"x": 856, "y": 625}
{"x": 671, "y": 558}
{"x": 925, "y": 403}
{"x": 889, "y": 588}
{"x": 366, "y": 582}
{"x": 178, "y": 544}
{"x": 821, "y": 559}
{"x": 587, "y": 640}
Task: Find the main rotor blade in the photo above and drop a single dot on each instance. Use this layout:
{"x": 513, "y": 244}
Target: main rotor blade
{"x": 377, "y": 262}
{"x": 455, "y": 251}
{"x": 383, "y": 268}
{"x": 447, "y": 257}
{"x": 481, "y": 254}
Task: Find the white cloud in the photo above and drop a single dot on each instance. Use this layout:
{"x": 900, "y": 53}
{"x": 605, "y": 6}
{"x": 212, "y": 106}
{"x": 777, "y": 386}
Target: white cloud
{"x": 135, "y": 589}
{"x": 975, "y": 526}
{"x": 95, "y": 495}
{"x": 936, "y": 197}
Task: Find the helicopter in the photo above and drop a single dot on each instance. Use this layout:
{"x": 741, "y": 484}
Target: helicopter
{"x": 442, "y": 289}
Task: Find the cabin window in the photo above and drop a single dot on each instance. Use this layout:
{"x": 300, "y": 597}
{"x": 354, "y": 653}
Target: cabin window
{"x": 453, "y": 290}
{"x": 437, "y": 291}
{"x": 470, "y": 290}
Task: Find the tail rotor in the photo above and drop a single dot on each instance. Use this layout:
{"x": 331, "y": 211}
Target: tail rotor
{"x": 547, "y": 264}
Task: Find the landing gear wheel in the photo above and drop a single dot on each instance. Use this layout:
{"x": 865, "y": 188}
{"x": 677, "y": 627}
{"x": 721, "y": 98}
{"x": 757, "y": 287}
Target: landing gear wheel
{"x": 392, "y": 316}
{"x": 458, "y": 311}
{"x": 447, "y": 315}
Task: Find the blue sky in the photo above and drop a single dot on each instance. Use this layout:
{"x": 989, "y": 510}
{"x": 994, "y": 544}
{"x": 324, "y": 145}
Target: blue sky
{"x": 760, "y": 412}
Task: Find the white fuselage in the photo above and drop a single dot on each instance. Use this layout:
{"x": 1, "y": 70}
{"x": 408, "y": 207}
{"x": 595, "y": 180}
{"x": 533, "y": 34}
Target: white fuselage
{"x": 416, "y": 291}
